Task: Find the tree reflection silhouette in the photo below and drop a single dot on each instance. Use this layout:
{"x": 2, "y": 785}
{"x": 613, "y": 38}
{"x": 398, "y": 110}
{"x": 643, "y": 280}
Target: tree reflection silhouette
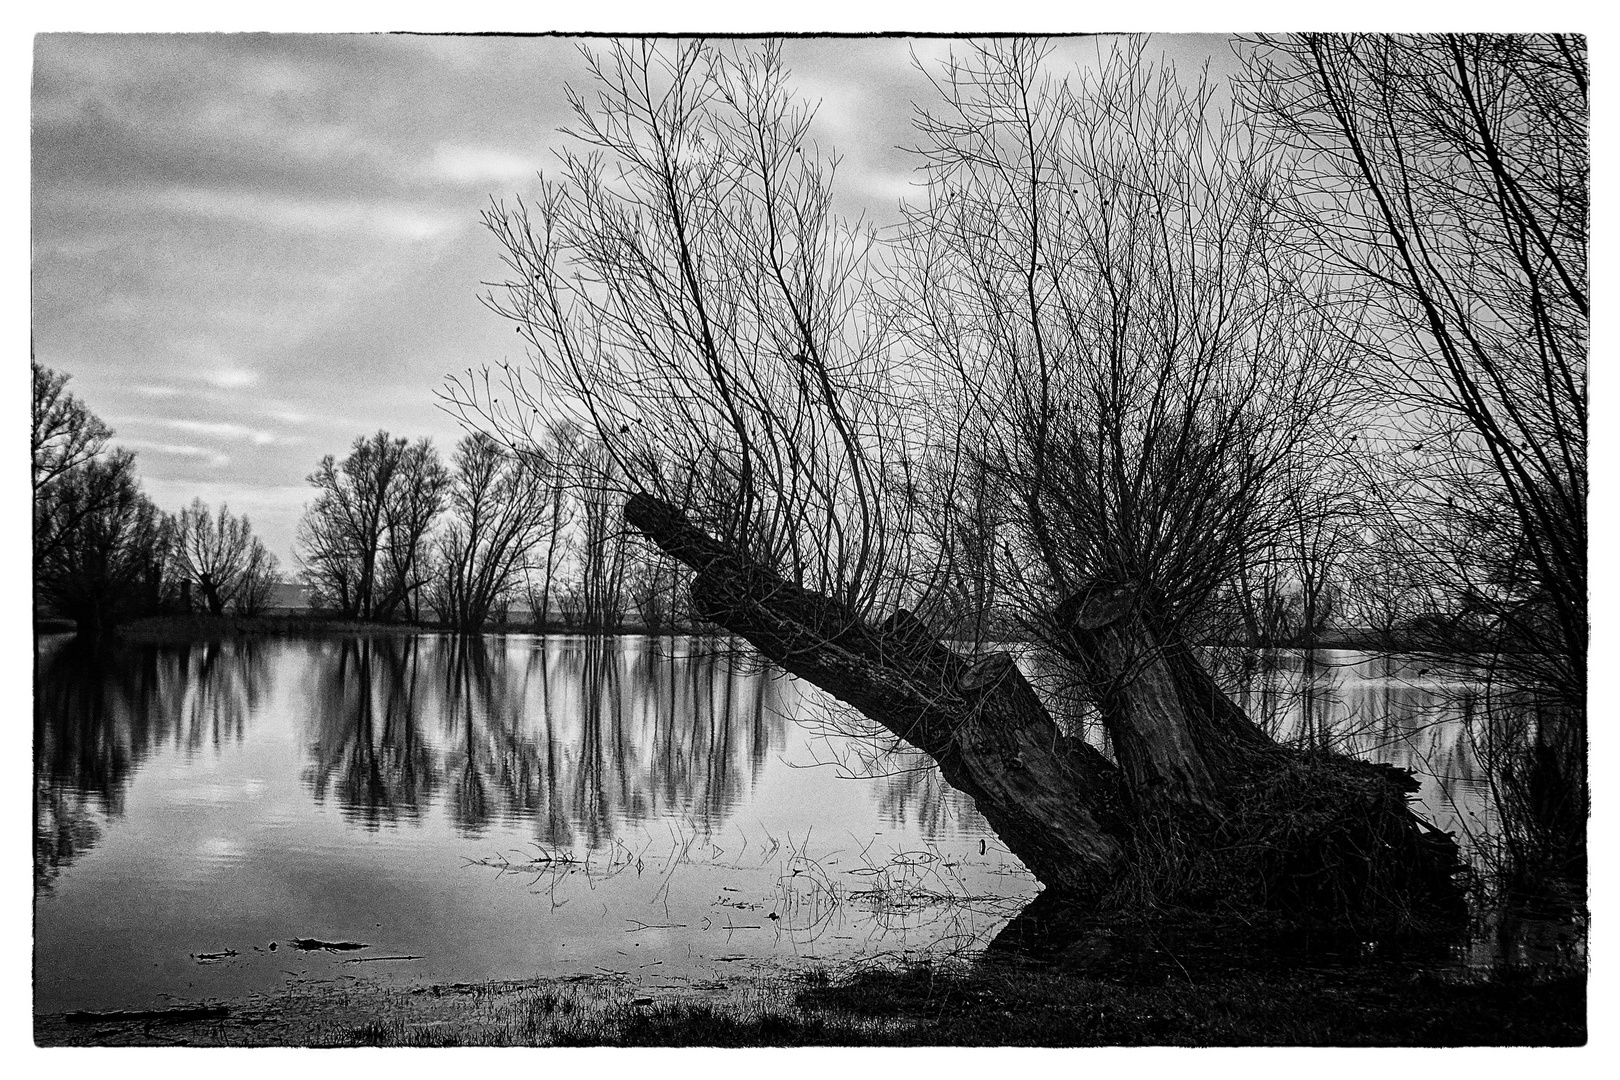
{"x": 469, "y": 691}
{"x": 101, "y": 708}
{"x": 581, "y": 737}
{"x": 369, "y": 751}
{"x": 915, "y": 792}
{"x": 635, "y": 729}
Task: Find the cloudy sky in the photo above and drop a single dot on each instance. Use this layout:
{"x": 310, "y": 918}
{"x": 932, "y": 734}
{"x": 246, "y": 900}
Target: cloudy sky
{"x": 250, "y": 249}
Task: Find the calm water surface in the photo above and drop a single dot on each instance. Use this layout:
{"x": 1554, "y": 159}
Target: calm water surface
{"x": 662, "y": 809}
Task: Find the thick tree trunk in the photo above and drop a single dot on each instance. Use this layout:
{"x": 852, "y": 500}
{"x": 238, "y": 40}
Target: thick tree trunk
{"x": 1142, "y": 709}
{"x": 1051, "y": 799}
{"x": 1201, "y": 808}
{"x": 216, "y": 603}
{"x": 1177, "y": 737}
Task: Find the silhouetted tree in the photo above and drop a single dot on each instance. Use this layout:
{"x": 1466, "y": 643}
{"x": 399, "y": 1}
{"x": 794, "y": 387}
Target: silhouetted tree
{"x": 558, "y": 448}
{"x": 1443, "y": 182}
{"x": 363, "y": 540}
{"x": 65, "y": 437}
{"x": 1097, "y": 313}
{"x": 228, "y": 564}
{"x": 602, "y": 553}
{"x": 106, "y": 564}
{"x": 698, "y": 312}
{"x": 64, "y": 433}
{"x": 499, "y": 510}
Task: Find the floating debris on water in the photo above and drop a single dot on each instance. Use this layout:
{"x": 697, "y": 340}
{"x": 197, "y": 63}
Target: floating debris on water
{"x": 309, "y": 944}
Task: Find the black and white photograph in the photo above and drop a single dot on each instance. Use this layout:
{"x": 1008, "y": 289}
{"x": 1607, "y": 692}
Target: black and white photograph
{"x": 703, "y": 537}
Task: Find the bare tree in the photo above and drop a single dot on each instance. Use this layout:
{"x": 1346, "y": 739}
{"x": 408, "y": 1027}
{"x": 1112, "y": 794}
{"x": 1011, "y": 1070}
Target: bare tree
{"x": 65, "y": 436}
{"x": 603, "y": 553}
{"x": 962, "y": 527}
{"x": 699, "y": 308}
{"x": 1101, "y": 330}
{"x": 1137, "y": 361}
{"x": 1385, "y": 592}
{"x": 412, "y": 508}
{"x": 499, "y": 508}
{"x": 221, "y": 557}
{"x": 1444, "y": 182}
{"x": 1446, "y": 177}
{"x": 559, "y": 515}
{"x": 107, "y": 563}
{"x": 259, "y": 581}
{"x": 1326, "y": 515}
{"x": 363, "y": 540}
{"x": 98, "y": 543}
{"x": 652, "y": 584}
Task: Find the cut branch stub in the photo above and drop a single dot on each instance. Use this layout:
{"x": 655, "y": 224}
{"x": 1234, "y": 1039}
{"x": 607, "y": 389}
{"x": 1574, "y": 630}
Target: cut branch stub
{"x": 1142, "y": 698}
{"x": 986, "y": 672}
{"x": 1098, "y": 606}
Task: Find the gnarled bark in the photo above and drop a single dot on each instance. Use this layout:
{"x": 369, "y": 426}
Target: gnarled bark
{"x": 1176, "y": 736}
{"x": 1050, "y": 798}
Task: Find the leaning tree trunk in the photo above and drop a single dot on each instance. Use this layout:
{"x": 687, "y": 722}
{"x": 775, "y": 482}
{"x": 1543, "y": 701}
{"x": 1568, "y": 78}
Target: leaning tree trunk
{"x": 1198, "y": 806}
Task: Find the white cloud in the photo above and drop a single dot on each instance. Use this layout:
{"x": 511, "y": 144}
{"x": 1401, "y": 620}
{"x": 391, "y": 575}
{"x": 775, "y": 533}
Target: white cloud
{"x": 146, "y": 446}
{"x": 840, "y": 105}
{"x": 321, "y": 217}
{"x": 472, "y": 164}
{"x": 880, "y": 191}
{"x": 231, "y": 378}
{"x": 204, "y": 427}
{"x": 223, "y": 430}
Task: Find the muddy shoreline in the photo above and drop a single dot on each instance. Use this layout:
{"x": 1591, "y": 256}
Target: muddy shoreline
{"x": 909, "y": 1005}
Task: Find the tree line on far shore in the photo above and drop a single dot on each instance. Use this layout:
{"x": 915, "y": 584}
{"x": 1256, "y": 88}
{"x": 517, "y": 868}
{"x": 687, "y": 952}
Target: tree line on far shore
{"x": 393, "y": 534}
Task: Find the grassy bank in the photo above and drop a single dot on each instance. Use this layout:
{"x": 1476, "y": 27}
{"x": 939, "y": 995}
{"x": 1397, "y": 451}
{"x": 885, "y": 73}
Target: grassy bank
{"x": 989, "y": 1004}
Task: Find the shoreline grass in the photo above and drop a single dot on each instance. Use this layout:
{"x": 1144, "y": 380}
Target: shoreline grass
{"x": 985, "y": 1004}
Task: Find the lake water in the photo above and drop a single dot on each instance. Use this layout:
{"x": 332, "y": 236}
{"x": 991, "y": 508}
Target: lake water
{"x": 657, "y": 809}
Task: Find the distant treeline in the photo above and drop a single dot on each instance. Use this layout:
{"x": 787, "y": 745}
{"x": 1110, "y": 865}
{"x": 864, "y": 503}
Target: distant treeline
{"x": 103, "y": 553}
{"x": 394, "y": 534}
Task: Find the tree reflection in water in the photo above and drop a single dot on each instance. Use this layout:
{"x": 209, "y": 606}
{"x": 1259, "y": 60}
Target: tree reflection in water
{"x": 1411, "y": 712}
{"x": 581, "y": 737}
{"x": 1407, "y": 711}
{"x": 100, "y": 709}
{"x": 595, "y": 744}
{"x": 369, "y": 752}
{"x": 915, "y": 792}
